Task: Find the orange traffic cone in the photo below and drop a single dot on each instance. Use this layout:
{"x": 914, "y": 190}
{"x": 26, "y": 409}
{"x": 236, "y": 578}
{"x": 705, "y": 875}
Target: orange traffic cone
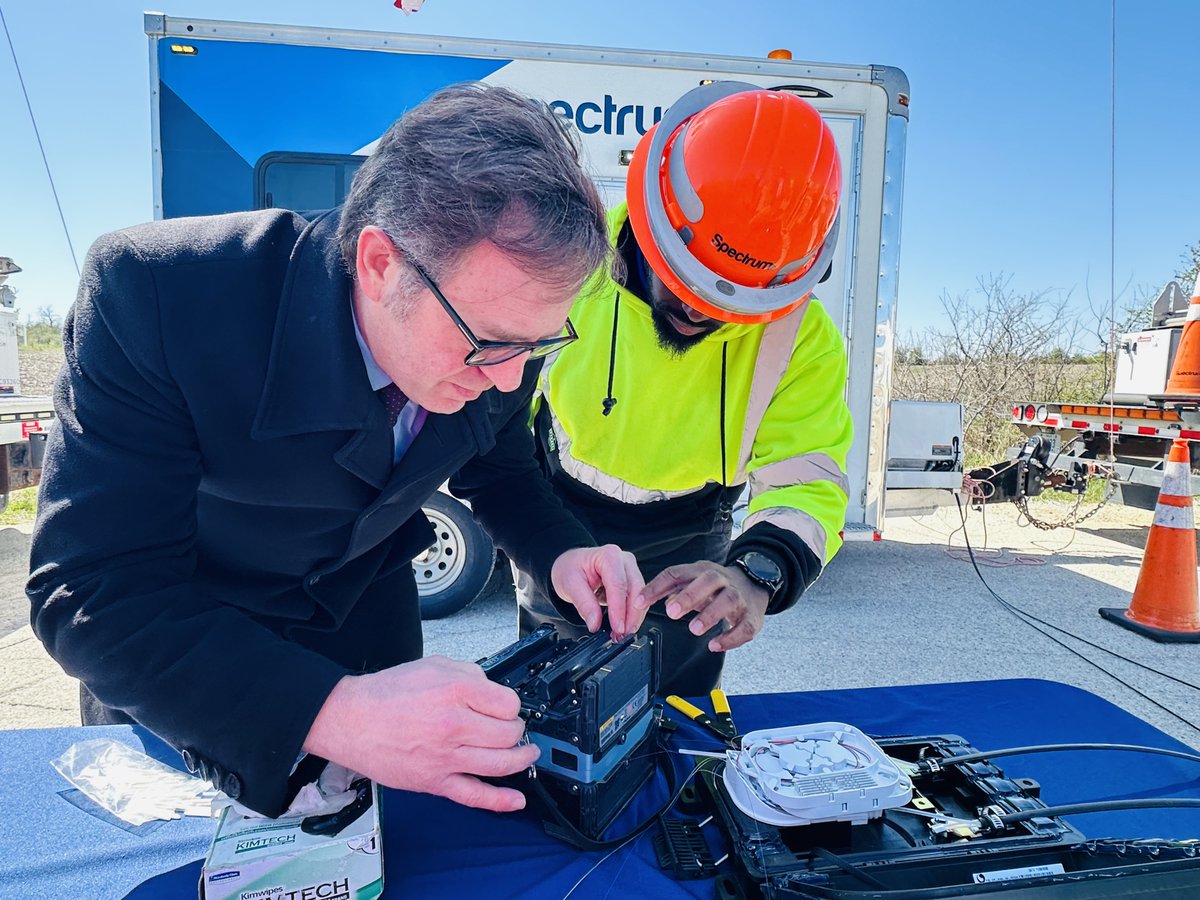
{"x": 1166, "y": 605}
{"x": 1184, "y": 383}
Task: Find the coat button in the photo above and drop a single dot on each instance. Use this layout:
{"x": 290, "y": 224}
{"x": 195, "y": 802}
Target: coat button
{"x": 232, "y": 786}
{"x": 189, "y": 760}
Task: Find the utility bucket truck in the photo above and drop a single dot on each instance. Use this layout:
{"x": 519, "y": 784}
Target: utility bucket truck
{"x": 1125, "y": 435}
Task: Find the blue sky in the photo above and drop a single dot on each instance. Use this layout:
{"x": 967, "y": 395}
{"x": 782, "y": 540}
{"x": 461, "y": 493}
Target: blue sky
{"x": 1008, "y": 162}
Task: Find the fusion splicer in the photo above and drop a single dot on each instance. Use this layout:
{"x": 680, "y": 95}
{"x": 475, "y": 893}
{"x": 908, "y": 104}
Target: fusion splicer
{"x": 589, "y": 705}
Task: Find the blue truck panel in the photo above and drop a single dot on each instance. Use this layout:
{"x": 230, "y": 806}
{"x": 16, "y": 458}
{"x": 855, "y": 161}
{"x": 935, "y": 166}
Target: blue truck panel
{"x": 322, "y": 100}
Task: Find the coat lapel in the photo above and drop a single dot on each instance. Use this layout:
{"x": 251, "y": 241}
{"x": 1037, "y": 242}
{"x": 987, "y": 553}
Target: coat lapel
{"x": 438, "y": 451}
{"x": 316, "y": 380}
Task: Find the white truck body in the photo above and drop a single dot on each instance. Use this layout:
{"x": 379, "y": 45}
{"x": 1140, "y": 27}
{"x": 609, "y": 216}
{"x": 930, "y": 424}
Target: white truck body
{"x": 23, "y": 420}
{"x": 1126, "y": 431}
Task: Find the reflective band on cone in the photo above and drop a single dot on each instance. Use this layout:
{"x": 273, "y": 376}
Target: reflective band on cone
{"x": 1177, "y": 480}
{"x": 1175, "y": 517}
{"x": 1166, "y": 603}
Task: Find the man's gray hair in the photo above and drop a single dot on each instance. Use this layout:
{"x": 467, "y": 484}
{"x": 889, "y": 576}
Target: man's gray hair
{"x": 477, "y": 162}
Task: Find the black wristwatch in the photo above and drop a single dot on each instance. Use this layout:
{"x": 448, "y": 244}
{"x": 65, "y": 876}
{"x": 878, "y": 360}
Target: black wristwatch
{"x": 763, "y": 570}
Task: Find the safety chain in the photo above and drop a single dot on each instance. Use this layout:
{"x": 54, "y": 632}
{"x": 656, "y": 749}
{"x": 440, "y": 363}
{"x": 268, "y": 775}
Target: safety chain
{"x": 1071, "y": 521}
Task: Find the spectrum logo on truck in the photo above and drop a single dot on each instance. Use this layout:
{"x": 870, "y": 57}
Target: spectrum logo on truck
{"x": 607, "y": 117}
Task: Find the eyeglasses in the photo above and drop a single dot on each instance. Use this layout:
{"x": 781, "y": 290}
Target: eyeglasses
{"x": 490, "y": 353}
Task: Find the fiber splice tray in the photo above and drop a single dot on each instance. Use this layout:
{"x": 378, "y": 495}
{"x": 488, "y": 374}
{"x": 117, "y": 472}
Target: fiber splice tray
{"x": 898, "y": 856}
{"x": 809, "y": 774}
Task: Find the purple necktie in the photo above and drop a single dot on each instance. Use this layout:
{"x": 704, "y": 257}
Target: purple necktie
{"x": 393, "y": 401}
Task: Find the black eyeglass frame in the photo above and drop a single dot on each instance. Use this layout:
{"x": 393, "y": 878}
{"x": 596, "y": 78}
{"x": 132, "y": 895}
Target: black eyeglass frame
{"x": 508, "y": 349}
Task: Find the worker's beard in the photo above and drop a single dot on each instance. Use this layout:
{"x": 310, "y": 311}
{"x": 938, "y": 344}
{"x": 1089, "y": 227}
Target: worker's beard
{"x": 671, "y": 340}
{"x": 666, "y": 310}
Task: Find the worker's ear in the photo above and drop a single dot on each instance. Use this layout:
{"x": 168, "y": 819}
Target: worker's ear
{"x": 374, "y": 261}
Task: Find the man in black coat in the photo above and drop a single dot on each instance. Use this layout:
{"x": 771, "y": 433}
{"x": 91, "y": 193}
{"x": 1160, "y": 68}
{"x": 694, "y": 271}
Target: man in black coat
{"x": 229, "y": 509}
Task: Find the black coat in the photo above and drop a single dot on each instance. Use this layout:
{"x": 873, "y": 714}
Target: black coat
{"x": 221, "y": 534}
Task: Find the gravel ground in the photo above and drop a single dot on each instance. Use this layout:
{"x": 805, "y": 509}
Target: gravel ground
{"x": 38, "y": 370}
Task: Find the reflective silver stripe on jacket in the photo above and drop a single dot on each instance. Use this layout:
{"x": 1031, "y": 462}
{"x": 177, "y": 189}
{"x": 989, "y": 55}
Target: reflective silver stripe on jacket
{"x": 802, "y": 469}
{"x": 774, "y": 357}
{"x": 598, "y": 480}
{"x": 796, "y": 521}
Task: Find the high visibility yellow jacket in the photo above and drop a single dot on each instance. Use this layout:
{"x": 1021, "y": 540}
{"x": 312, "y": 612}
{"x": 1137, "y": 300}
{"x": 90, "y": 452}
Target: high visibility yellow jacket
{"x": 756, "y": 404}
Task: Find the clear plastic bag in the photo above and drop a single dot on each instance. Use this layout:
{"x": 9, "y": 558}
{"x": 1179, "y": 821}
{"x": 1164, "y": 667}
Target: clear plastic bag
{"x": 132, "y": 786}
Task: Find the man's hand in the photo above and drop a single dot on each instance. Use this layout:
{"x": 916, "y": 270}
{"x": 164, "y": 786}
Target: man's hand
{"x": 591, "y": 577}
{"x": 714, "y": 592}
{"x": 431, "y": 726}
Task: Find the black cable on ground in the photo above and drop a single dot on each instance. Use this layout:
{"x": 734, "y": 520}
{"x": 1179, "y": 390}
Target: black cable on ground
{"x": 1071, "y": 634}
{"x": 1025, "y": 617}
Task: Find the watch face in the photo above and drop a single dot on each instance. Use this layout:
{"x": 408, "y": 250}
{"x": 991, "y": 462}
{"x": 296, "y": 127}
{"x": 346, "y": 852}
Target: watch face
{"x": 762, "y": 568}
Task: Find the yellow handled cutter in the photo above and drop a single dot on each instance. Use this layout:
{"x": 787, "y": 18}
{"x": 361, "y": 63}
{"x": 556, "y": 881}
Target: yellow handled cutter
{"x": 720, "y": 723}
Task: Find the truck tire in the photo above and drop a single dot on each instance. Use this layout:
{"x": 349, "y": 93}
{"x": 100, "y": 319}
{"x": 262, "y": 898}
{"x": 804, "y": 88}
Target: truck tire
{"x": 455, "y": 569}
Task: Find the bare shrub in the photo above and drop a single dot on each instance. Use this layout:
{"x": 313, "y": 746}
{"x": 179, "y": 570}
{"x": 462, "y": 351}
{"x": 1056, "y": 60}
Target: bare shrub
{"x": 1189, "y": 267}
{"x": 998, "y": 346}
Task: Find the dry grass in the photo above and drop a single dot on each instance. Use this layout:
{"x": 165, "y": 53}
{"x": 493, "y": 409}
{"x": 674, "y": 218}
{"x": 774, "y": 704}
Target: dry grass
{"x": 988, "y": 389}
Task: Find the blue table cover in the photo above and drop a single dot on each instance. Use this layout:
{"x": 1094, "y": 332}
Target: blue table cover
{"x": 55, "y": 843}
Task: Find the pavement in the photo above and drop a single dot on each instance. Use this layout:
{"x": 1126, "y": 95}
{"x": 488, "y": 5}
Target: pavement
{"x": 908, "y": 610}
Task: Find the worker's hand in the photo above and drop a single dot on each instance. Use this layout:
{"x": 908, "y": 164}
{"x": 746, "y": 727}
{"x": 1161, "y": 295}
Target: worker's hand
{"x": 591, "y": 577}
{"x": 714, "y": 592}
{"x": 431, "y": 726}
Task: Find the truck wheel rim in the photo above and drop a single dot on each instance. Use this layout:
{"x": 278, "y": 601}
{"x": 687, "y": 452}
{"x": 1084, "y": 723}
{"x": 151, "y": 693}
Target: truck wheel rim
{"x": 440, "y": 566}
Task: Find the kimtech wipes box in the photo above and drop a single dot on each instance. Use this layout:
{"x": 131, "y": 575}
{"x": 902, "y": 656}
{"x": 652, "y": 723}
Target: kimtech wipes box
{"x": 332, "y": 857}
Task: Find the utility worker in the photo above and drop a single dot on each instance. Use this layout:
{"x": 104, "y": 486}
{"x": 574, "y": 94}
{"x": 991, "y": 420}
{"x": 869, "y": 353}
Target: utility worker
{"x": 708, "y": 367}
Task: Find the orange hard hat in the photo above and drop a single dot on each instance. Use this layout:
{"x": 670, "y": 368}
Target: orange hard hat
{"x": 733, "y": 199}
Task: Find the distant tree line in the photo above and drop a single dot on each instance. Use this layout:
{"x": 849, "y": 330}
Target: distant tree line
{"x": 42, "y": 332}
{"x": 915, "y": 355}
{"x": 996, "y": 345}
